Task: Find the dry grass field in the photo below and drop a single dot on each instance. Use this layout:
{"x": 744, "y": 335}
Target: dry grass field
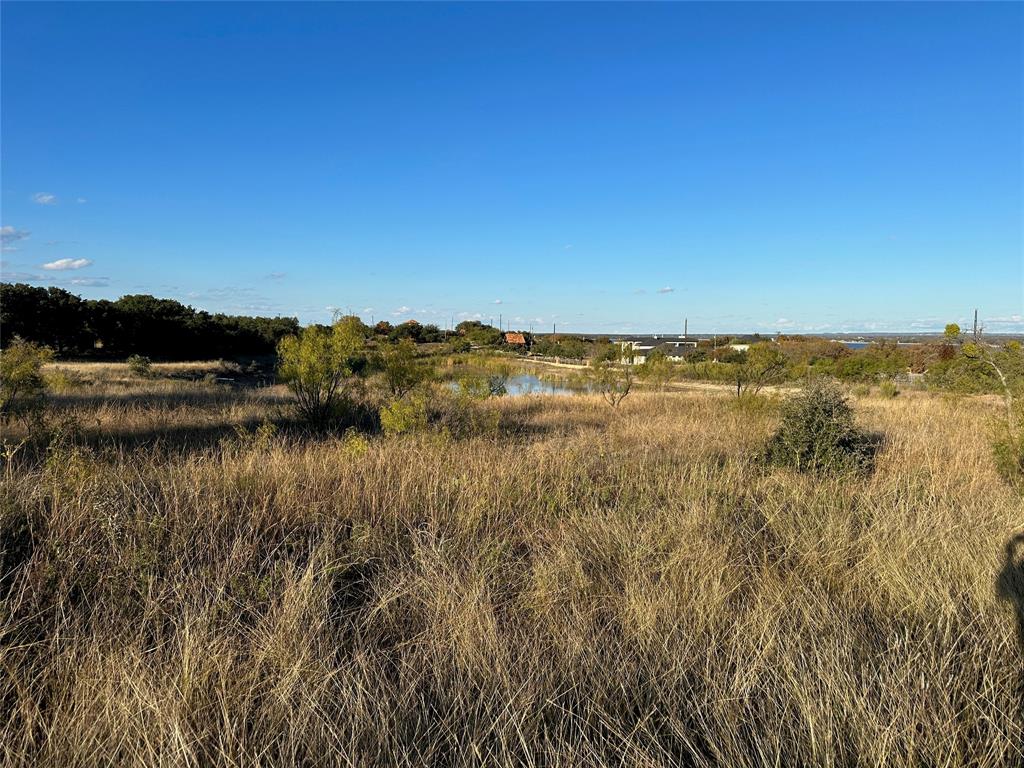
{"x": 578, "y": 586}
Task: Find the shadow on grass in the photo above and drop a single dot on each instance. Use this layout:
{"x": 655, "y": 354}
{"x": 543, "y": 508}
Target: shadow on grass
{"x": 141, "y": 400}
{"x": 1010, "y": 587}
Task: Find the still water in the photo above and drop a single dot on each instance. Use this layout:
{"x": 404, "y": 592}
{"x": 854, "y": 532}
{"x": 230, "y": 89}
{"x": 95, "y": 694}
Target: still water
{"x": 528, "y": 384}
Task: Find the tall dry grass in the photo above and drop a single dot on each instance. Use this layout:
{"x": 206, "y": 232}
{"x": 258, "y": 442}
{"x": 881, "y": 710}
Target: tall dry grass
{"x": 581, "y": 587}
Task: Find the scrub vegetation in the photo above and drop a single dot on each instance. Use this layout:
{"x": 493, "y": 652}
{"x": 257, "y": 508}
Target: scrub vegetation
{"x": 192, "y": 574}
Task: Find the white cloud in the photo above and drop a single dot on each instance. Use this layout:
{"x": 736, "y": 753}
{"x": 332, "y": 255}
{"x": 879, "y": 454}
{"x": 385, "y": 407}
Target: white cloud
{"x": 277, "y": 276}
{"x": 90, "y": 282}
{"x": 44, "y": 198}
{"x": 666, "y": 289}
{"x": 61, "y": 264}
{"x": 81, "y": 200}
{"x": 497, "y": 301}
{"x": 402, "y": 311}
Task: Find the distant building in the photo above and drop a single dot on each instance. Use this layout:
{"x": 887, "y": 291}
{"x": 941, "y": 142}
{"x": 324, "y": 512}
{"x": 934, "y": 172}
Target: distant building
{"x": 515, "y": 339}
{"x": 636, "y": 349}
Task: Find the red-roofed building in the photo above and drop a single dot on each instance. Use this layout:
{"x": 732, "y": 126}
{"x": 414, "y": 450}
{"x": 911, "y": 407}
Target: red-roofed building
{"x": 515, "y": 339}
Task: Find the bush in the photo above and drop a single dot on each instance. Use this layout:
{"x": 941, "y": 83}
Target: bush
{"x": 408, "y": 414}
{"x": 888, "y": 389}
{"x": 1008, "y": 450}
{"x": 818, "y": 433}
{"x": 22, "y": 386}
{"x": 320, "y": 367}
{"x": 140, "y": 365}
{"x": 861, "y": 390}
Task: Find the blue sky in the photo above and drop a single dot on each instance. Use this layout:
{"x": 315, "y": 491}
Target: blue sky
{"x": 605, "y": 167}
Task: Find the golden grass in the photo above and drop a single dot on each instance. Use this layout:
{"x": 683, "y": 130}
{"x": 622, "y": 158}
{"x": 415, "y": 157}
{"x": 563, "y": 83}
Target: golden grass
{"x": 581, "y": 587}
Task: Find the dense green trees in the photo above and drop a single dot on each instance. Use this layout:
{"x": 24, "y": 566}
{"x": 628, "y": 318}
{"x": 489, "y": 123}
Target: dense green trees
{"x": 133, "y": 325}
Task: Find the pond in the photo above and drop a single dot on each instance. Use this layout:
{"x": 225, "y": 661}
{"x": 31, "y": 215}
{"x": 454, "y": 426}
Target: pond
{"x": 529, "y": 384}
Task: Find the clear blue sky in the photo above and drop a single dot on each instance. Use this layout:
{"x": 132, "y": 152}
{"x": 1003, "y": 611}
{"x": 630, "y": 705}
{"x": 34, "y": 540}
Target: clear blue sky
{"x": 606, "y": 167}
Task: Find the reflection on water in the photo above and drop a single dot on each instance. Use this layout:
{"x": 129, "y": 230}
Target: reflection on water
{"x": 528, "y": 384}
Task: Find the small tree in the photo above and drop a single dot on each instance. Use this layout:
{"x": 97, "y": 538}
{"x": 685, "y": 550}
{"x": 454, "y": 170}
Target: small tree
{"x": 401, "y": 367}
{"x": 764, "y": 364}
{"x": 140, "y": 365}
{"x": 614, "y": 382}
{"x": 320, "y": 364}
{"x": 656, "y": 369}
{"x": 22, "y": 387}
{"x": 818, "y": 433}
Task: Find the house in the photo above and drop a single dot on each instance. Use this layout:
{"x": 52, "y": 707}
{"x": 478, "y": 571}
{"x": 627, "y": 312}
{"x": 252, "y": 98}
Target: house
{"x": 636, "y": 349}
{"x": 515, "y": 339}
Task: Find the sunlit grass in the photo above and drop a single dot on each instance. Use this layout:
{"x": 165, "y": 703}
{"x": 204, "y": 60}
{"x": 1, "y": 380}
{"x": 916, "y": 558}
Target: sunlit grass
{"x": 581, "y": 586}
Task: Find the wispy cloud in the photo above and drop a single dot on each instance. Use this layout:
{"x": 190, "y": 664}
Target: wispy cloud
{"x": 401, "y": 311}
{"x": 277, "y": 276}
{"x": 9, "y": 235}
{"x": 498, "y": 301}
{"x": 81, "y": 200}
{"x": 666, "y": 289}
{"x": 74, "y": 282}
{"x": 62, "y": 264}
{"x": 44, "y": 198}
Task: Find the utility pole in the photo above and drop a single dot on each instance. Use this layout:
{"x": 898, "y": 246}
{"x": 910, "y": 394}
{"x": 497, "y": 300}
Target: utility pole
{"x": 499, "y": 321}
{"x": 975, "y": 326}
{"x": 686, "y": 327}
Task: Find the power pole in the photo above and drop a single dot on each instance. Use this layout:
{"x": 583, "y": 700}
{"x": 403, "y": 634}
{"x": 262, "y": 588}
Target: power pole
{"x": 686, "y": 327}
{"x": 975, "y": 326}
{"x": 499, "y": 321}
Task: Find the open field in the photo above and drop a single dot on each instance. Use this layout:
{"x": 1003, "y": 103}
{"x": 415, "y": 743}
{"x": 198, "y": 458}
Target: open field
{"x": 571, "y": 585}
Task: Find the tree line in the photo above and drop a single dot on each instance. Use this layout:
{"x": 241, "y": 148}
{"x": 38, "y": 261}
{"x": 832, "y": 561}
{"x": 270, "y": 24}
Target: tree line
{"x": 139, "y": 324}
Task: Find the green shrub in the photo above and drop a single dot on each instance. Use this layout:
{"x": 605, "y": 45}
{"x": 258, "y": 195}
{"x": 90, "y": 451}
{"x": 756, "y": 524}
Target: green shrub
{"x": 63, "y": 381}
{"x": 321, "y": 367}
{"x": 861, "y": 390}
{"x": 140, "y": 365}
{"x": 22, "y": 386}
{"x": 888, "y": 389}
{"x": 818, "y": 433}
{"x": 1008, "y": 451}
{"x": 407, "y": 414}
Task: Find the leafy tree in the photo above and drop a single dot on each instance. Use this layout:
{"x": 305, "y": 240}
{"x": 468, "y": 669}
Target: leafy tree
{"x": 319, "y": 365}
{"x": 402, "y": 369}
{"x": 952, "y": 332}
{"x": 763, "y": 364}
{"x": 656, "y": 369}
{"x": 479, "y": 334}
{"x": 22, "y": 387}
{"x": 613, "y": 382}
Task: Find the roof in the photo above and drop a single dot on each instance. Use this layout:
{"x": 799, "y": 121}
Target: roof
{"x": 513, "y": 337}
